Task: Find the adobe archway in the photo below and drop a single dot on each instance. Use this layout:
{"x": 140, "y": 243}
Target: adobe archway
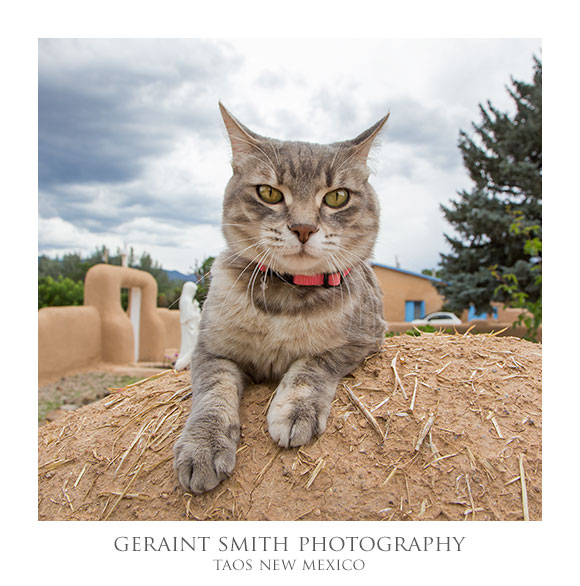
{"x": 103, "y": 284}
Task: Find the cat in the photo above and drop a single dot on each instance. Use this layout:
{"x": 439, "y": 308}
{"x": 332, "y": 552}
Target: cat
{"x": 292, "y": 299}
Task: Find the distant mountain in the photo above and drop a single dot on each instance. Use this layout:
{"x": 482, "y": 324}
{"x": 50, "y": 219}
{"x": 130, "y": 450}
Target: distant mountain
{"x": 177, "y": 276}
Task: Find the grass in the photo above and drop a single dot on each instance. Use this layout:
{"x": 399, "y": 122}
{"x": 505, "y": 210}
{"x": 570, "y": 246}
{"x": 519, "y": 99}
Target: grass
{"x": 78, "y": 389}
{"x": 418, "y": 330}
{"x": 45, "y": 407}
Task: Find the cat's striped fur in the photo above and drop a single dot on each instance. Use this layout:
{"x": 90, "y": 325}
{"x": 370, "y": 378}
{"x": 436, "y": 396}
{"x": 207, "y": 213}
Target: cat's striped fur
{"x": 257, "y": 326}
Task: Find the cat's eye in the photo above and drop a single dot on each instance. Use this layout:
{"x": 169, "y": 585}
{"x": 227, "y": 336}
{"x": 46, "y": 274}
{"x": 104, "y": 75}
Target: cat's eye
{"x": 269, "y": 194}
{"x": 336, "y": 198}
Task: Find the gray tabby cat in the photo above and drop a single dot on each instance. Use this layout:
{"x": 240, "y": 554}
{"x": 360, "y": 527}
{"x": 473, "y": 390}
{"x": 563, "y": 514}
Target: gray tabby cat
{"x": 292, "y": 299}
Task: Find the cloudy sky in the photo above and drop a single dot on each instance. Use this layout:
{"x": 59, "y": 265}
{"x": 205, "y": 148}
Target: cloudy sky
{"x": 132, "y": 150}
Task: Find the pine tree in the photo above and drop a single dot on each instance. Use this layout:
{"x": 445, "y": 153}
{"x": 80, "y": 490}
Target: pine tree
{"x": 504, "y": 160}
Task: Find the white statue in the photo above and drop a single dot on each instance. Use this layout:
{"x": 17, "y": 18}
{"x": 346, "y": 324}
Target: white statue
{"x": 189, "y": 316}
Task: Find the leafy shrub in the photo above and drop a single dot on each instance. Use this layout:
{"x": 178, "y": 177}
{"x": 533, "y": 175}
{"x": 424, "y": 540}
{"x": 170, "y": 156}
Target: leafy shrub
{"x": 510, "y": 281}
{"x": 204, "y": 277}
{"x": 59, "y": 291}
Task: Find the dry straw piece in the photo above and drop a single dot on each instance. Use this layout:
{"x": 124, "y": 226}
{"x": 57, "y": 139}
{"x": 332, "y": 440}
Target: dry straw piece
{"x": 368, "y": 415}
{"x": 398, "y": 381}
{"x": 319, "y": 466}
{"x": 426, "y": 428}
{"x": 492, "y": 418}
{"x": 412, "y": 405}
{"x": 524, "y": 489}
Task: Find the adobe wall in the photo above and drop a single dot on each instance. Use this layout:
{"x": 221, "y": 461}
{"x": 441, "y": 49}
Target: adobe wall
{"x": 103, "y": 284}
{"x": 72, "y": 339}
{"x": 400, "y": 287}
{"x": 172, "y": 326}
{"x": 69, "y": 338}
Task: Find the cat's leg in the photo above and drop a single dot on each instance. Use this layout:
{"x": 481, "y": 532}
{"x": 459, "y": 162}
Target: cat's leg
{"x": 205, "y": 453}
{"x": 301, "y": 405}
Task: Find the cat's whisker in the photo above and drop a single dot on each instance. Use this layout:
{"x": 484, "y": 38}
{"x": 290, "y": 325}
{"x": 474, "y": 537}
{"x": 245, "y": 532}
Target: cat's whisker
{"x": 276, "y": 259}
{"x": 269, "y": 165}
{"x": 245, "y": 269}
{"x": 255, "y": 259}
{"x": 252, "y": 281}
{"x": 237, "y": 254}
{"x": 349, "y": 253}
{"x": 255, "y": 145}
{"x": 336, "y": 152}
{"x": 341, "y": 291}
{"x": 382, "y": 240}
{"x": 244, "y": 239}
{"x": 275, "y": 151}
{"x": 344, "y": 161}
{"x": 347, "y": 286}
{"x": 368, "y": 287}
{"x": 265, "y": 279}
{"x": 344, "y": 253}
{"x": 356, "y": 151}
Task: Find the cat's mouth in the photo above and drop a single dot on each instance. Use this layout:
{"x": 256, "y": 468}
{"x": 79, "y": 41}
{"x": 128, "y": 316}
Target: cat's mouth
{"x": 302, "y": 250}
{"x": 301, "y": 261}
{"x": 303, "y": 253}
{"x": 301, "y": 256}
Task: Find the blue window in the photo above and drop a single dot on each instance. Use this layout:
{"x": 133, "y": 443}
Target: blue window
{"x": 472, "y": 315}
{"x": 414, "y": 310}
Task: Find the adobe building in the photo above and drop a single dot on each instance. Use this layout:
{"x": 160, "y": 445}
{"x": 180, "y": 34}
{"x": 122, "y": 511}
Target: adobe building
{"x": 409, "y": 296}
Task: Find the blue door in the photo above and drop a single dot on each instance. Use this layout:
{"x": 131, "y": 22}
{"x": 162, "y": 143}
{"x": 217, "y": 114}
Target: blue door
{"x": 414, "y": 310}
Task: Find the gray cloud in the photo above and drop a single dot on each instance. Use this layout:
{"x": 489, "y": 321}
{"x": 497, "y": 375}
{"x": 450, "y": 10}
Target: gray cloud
{"x": 429, "y": 131}
{"x": 107, "y": 110}
{"x": 342, "y": 108}
{"x": 105, "y": 210}
{"x": 106, "y": 106}
{"x": 271, "y": 79}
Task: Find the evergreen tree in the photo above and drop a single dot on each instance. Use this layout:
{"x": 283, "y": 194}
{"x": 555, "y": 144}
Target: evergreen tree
{"x": 504, "y": 160}
{"x": 203, "y": 274}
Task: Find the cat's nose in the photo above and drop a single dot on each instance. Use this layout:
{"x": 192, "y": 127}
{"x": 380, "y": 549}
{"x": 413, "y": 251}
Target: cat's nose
{"x": 303, "y": 231}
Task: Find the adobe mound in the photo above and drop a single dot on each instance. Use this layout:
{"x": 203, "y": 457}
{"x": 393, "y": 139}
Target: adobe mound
{"x": 477, "y": 402}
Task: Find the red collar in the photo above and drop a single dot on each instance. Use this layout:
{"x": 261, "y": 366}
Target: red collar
{"x": 322, "y": 279}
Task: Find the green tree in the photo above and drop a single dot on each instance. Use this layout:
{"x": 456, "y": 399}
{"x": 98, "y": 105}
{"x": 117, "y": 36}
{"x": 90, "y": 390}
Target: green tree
{"x": 164, "y": 286}
{"x": 504, "y": 160}
{"x": 71, "y": 265}
{"x": 203, "y": 274}
{"x": 49, "y": 267}
{"x": 431, "y": 273}
{"x": 531, "y": 318}
{"x": 59, "y": 291}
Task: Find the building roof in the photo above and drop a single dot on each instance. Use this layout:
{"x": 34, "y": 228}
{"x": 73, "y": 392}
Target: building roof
{"x": 434, "y": 279}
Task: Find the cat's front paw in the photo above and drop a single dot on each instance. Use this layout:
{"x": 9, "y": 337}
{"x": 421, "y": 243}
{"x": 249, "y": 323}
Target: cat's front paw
{"x": 295, "y": 423}
{"x": 202, "y": 461}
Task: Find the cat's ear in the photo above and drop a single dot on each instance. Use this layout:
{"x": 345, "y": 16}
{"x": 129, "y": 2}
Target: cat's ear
{"x": 364, "y": 141}
{"x": 242, "y": 139}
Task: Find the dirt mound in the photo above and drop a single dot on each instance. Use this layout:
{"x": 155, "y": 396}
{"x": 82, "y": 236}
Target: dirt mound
{"x": 448, "y": 440}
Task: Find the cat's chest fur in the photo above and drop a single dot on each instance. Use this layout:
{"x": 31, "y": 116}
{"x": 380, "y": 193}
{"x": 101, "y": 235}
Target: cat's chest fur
{"x": 266, "y": 343}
